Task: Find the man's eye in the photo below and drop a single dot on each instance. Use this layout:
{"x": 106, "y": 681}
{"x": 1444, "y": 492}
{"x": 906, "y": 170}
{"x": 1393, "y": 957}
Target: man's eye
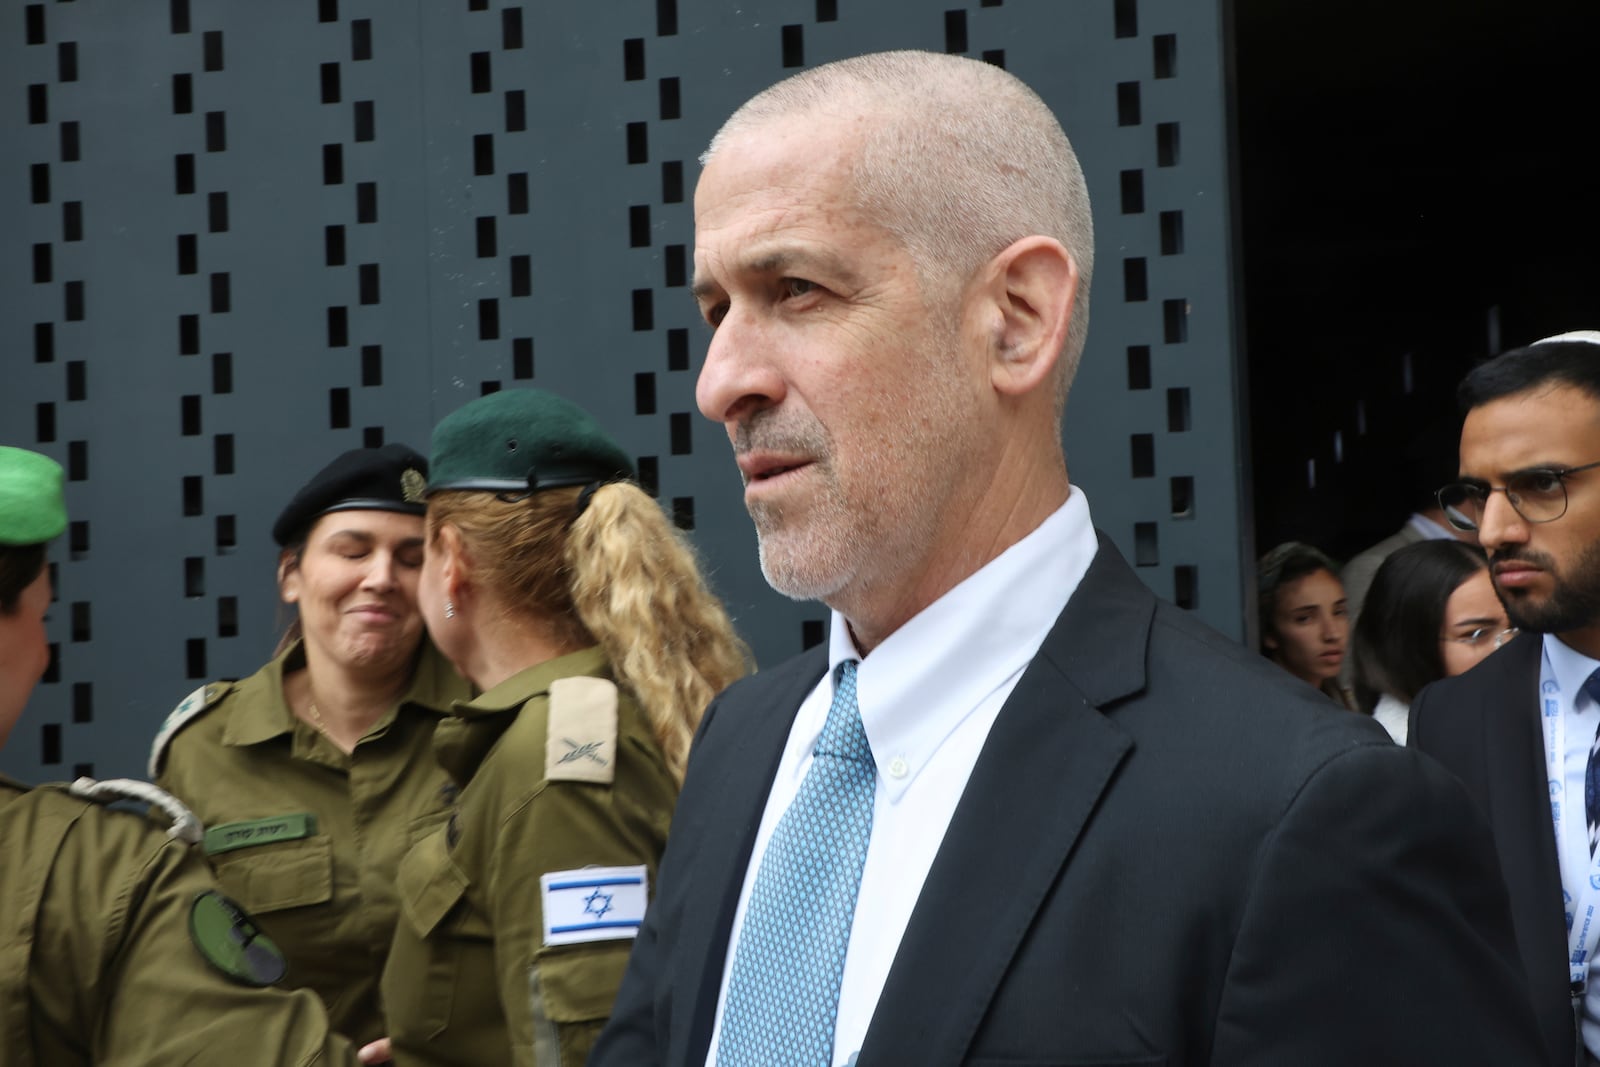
{"x": 793, "y": 287}
{"x": 715, "y": 314}
{"x": 1539, "y": 483}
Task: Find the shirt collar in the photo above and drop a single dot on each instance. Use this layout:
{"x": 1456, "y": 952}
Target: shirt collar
{"x": 523, "y": 686}
{"x": 1428, "y": 528}
{"x": 924, "y": 679}
{"x": 262, "y": 714}
{"x": 1571, "y": 669}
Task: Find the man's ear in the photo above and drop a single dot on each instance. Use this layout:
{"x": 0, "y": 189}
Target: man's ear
{"x": 1032, "y": 284}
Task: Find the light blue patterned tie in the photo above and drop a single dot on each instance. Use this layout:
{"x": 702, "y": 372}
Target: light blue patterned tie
{"x": 783, "y": 993}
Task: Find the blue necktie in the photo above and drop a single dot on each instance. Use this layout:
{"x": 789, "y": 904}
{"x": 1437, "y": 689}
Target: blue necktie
{"x": 783, "y": 992}
{"x": 1591, "y": 778}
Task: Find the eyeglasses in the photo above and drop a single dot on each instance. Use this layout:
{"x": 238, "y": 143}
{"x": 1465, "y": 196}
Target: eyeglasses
{"x": 1484, "y": 634}
{"x": 1537, "y": 495}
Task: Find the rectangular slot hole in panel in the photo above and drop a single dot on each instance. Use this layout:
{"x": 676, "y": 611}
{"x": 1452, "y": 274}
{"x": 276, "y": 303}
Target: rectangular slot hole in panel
{"x": 638, "y": 143}
{"x": 81, "y": 630}
{"x": 482, "y": 80}
{"x": 227, "y": 534}
{"x": 41, "y": 264}
{"x": 227, "y": 616}
{"x": 1186, "y": 586}
{"x": 77, "y": 380}
{"x": 182, "y": 94}
{"x": 188, "y": 335}
{"x": 332, "y": 164}
{"x": 211, "y": 51}
{"x": 50, "y": 742}
{"x": 333, "y": 252}
{"x": 366, "y": 202}
{"x": 1132, "y": 192}
{"x": 1183, "y": 497}
{"x": 1178, "y": 410}
{"x": 639, "y": 226}
{"x": 488, "y": 319}
{"x": 72, "y": 301}
{"x": 183, "y": 174}
{"x": 216, "y": 131}
{"x": 1175, "y": 321}
{"x": 794, "y": 46}
{"x": 677, "y": 349}
{"x": 1166, "y": 54}
{"x": 44, "y": 342}
{"x": 339, "y": 408}
{"x": 194, "y": 577}
{"x": 77, "y": 461}
{"x": 516, "y": 111}
{"x": 1142, "y": 449}
{"x": 672, "y": 182}
{"x": 222, "y": 454}
{"x": 194, "y": 500}
{"x": 221, "y": 294}
{"x": 675, "y": 260}
{"x": 327, "y": 10}
{"x": 483, "y": 153}
{"x": 681, "y": 428}
{"x": 955, "y": 32}
{"x": 72, "y": 220}
{"x": 82, "y": 702}
{"x": 644, "y": 394}
{"x": 521, "y": 275}
{"x": 367, "y": 283}
{"x": 189, "y": 415}
{"x": 329, "y": 77}
{"x": 1128, "y": 111}
{"x": 516, "y": 194}
{"x": 1138, "y": 366}
{"x": 338, "y": 327}
{"x": 78, "y": 538}
{"x": 488, "y": 245}
{"x": 39, "y": 183}
{"x": 511, "y": 28}
{"x": 188, "y": 253}
{"x": 360, "y": 40}
{"x": 1167, "y": 144}
{"x": 666, "y": 18}
{"x": 178, "y": 10}
{"x": 372, "y": 437}
{"x": 365, "y": 121}
{"x": 1135, "y": 280}
{"x": 52, "y": 673}
{"x": 649, "y": 475}
{"x": 995, "y": 57}
{"x": 1146, "y": 549}
{"x": 827, "y": 11}
{"x": 644, "y": 315}
{"x": 1125, "y": 15}
{"x": 670, "y": 99}
{"x": 217, "y": 212}
{"x": 33, "y": 24}
{"x": 522, "y": 358}
{"x": 633, "y": 59}
{"x": 222, "y": 372}
{"x": 371, "y": 365}
{"x": 194, "y": 654}
{"x": 1171, "y": 233}
{"x": 683, "y": 512}
{"x": 70, "y": 151}
{"x": 44, "y": 423}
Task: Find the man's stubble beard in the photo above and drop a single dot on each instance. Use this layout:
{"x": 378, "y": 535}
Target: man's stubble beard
{"x": 1573, "y": 604}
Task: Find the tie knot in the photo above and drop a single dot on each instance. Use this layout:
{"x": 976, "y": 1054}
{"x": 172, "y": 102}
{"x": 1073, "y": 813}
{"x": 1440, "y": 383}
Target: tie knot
{"x": 843, "y": 735}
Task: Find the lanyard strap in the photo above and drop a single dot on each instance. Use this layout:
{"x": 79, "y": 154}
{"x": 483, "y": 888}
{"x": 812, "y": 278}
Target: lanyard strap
{"x": 1583, "y": 908}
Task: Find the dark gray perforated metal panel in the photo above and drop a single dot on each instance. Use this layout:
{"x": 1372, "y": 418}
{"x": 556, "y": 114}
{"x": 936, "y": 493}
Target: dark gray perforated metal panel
{"x": 241, "y": 237}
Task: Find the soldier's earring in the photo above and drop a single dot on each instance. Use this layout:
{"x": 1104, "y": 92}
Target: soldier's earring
{"x": 449, "y": 610}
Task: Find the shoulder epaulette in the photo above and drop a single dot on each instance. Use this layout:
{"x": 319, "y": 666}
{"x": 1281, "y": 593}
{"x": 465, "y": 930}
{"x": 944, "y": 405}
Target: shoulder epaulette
{"x": 582, "y": 743}
{"x": 189, "y": 709}
{"x": 185, "y": 827}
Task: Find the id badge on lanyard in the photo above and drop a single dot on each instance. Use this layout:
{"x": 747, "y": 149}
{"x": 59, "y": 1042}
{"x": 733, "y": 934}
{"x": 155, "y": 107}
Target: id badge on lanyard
{"x": 1582, "y": 913}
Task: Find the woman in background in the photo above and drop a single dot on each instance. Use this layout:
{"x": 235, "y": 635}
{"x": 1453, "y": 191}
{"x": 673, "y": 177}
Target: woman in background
{"x": 568, "y": 597}
{"x": 1430, "y": 613}
{"x": 314, "y": 775}
{"x": 1304, "y": 621}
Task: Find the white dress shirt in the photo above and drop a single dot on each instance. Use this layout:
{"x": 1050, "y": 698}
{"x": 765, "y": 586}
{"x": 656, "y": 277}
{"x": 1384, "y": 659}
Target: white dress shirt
{"x": 928, "y": 696}
{"x": 1571, "y": 669}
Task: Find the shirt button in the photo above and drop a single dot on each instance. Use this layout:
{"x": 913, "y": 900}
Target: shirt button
{"x": 898, "y": 767}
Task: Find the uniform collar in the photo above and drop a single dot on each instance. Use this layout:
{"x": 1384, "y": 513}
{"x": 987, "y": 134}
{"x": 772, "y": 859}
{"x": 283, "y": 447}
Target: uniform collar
{"x": 263, "y": 714}
{"x": 534, "y": 681}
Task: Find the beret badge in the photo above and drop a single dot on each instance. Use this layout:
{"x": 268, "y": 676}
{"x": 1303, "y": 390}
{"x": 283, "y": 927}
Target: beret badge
{"x": 413, "y": 486}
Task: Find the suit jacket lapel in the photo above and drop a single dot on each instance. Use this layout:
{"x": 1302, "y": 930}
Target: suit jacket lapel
{"x": 1048, "y": 759}
{"x": 759, "y": 716}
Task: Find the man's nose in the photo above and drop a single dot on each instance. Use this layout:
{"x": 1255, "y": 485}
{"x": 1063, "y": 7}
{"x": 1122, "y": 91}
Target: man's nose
{"x": 742, "y": 371}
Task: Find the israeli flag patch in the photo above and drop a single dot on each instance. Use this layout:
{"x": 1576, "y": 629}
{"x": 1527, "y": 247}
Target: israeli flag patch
{"x": 593, "y": 904}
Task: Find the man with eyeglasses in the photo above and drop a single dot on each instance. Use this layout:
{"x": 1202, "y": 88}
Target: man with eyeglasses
{"x": 1522, "y": 729}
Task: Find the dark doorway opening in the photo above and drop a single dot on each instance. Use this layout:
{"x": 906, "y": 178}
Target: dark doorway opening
{"x": 1419, "y": 187}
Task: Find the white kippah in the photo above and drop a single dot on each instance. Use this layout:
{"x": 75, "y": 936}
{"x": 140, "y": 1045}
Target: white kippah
{"x": 1591, "y": 337}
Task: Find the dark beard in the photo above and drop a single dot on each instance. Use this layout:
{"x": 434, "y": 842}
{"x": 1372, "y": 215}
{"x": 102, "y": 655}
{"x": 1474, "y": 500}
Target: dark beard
{"x": 1575, "y": 603}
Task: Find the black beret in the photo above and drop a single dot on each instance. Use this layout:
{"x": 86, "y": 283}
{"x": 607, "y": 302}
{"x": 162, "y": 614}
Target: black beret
{"x": 391, "y": 478}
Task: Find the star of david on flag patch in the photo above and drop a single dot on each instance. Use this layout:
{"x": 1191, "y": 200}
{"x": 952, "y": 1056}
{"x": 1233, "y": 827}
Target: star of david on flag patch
{"x": 593, "y": 904}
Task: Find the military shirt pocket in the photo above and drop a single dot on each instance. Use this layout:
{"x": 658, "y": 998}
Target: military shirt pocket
{"x": 287, "y": 874}
{"x": 431, "y": 982}
{"x": 574, "y": 987}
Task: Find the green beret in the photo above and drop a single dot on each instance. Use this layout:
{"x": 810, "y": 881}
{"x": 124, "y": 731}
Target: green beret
{"x": 523, "y": 440}
{"x": 32, "y": 509}
{"x": 391, "y": 478}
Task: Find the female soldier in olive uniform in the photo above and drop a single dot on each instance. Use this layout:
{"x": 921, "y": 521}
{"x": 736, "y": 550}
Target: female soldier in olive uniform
{"x": 315, "y": 774}
{"x": 569, "y": 598}
{"x": 116, "y": 949}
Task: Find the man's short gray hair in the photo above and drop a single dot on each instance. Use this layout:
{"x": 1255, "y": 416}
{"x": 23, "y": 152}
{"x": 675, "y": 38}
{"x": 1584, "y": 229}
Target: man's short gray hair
{"x": 959, "y": 160}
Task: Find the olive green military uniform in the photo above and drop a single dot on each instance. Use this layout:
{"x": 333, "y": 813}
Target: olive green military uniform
{"x": 559, "y": 771}
{"x": 97, "y": 961}
{"x": 305, "y": 837}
